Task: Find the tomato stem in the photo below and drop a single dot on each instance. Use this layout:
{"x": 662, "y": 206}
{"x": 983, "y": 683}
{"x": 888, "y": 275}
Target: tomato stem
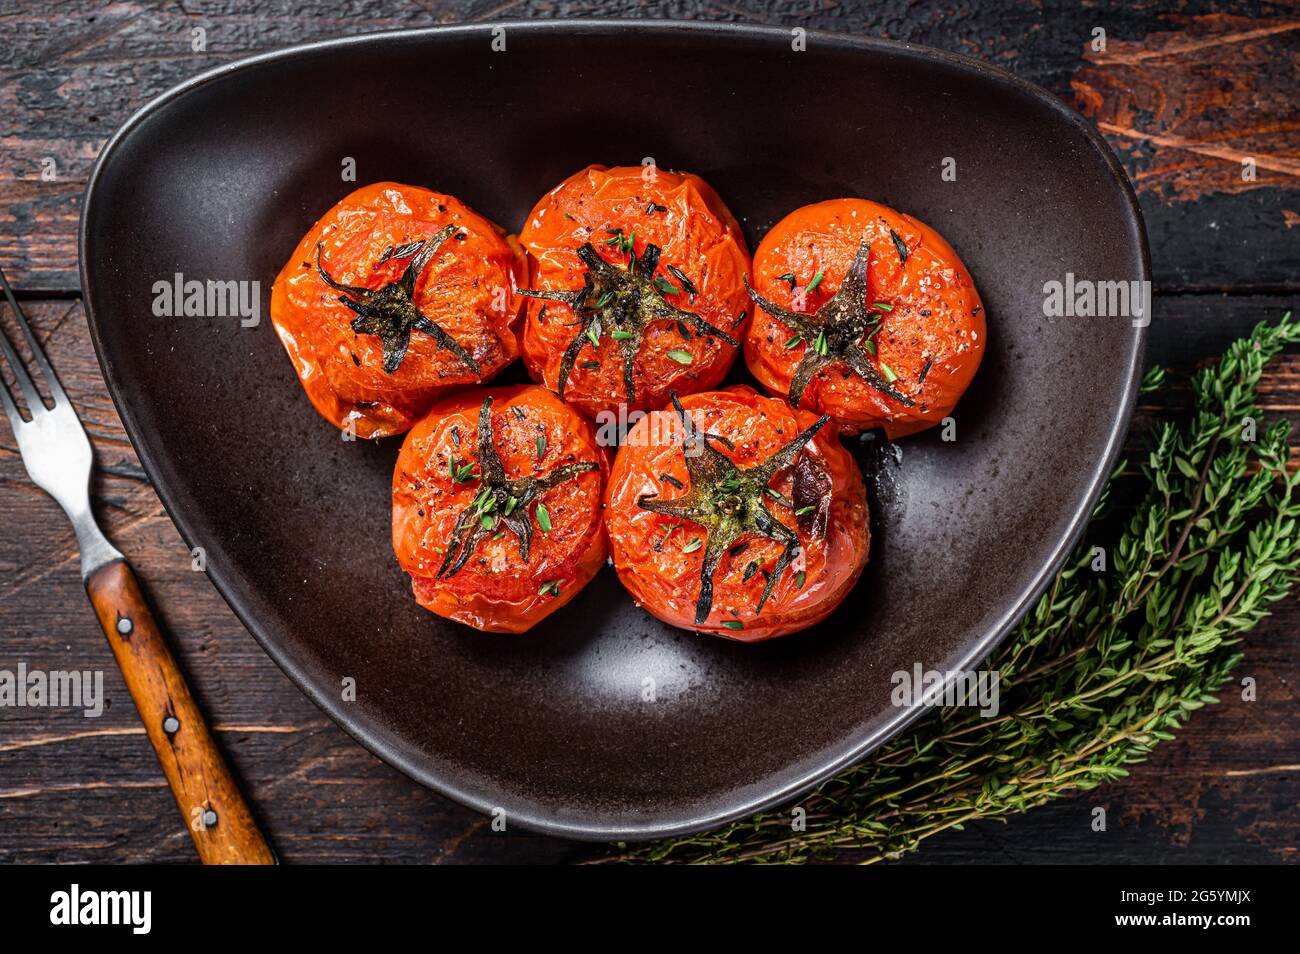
{"x": 730, "y": 502}
{"x": 389, "y": 313}
{"x": 834, "y": 333}
{"x": 621, "y": 303}
{"x": 501, "y": 499}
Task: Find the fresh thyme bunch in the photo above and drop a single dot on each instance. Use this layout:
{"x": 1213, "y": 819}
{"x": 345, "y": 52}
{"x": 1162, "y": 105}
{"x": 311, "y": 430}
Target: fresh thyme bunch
{"x": 1107, "y": 664}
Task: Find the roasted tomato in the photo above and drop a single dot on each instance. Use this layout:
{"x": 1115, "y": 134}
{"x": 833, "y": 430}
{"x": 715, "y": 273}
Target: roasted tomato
{"x": 497, "y": 507}
{"x": 735, "y": 514}
{"x": 637, "y": 281}
{"x": 864, "y": 314}
{"x": 395, "y": 296}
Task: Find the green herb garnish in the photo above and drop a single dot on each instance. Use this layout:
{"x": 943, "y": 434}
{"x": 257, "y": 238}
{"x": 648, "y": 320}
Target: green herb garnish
{"x": 900, "y": 246}
{"x": 691, "y": 290}
{"x": 624, "y": 302}
{"x": 665, "y": 286}
{"x": 461, "y": 472}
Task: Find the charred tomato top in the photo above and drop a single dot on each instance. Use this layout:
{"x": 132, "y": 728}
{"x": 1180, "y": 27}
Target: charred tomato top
{"x": 735, "y": 514}
{"x": 636, "y": 287}
{"x": 497, "y": 507}
{"x": 395, "y": 296}
{"x": 865, "y": 314}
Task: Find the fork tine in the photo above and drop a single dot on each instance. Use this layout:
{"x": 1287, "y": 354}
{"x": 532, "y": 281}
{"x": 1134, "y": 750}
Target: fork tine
{"x": 38, "y": 354}
{"x": 30, "y": 395}
{"x": 11, "y": 409}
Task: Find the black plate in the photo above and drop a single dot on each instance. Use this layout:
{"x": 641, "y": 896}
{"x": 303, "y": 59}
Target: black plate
{"x": 219, "y": 178}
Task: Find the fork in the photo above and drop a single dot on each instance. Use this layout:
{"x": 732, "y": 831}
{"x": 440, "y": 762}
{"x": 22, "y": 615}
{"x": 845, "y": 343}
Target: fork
{"x": 58, "y": 458}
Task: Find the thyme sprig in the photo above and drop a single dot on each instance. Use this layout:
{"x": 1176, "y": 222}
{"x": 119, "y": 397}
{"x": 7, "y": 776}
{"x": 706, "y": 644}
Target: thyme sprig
{"x": 1106, "y": 665}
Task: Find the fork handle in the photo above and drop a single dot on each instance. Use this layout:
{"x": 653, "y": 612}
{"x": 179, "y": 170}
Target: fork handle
{"x": 218, "y": 818}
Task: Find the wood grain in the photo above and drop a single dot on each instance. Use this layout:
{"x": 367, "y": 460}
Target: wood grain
{"x": 1204, "y": 112}
{"x": 74, "y": 789}
{"x": 210, "y": 803}
{"x": 1221, "y": 88}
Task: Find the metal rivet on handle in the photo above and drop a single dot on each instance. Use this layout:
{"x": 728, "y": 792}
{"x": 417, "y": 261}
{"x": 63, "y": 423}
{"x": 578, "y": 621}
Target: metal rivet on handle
{"x": 171, "y": 725}
{"x": 209, "y": 818}
{"x": 124, "y": 625}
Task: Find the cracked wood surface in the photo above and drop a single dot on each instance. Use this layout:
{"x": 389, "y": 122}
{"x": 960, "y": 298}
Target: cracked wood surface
{"x": 75, "y": 789}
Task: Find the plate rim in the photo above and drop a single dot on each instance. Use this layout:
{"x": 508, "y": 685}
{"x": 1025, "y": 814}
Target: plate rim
{"x": 375, "y": 738}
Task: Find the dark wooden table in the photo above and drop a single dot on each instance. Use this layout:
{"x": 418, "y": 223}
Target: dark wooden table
{"x": 1184, "y": 92}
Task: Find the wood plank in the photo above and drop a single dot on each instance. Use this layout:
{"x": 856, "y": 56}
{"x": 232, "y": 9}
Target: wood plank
{"x": 1205, "y": 117}
{"x": 1181, "y": 121}
{"x": 78, "y": 790}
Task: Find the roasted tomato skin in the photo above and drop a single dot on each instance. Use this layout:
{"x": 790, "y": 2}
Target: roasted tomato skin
{"x": 936, "y": 315}
{"x": 469, "y": 289}
{"x": 496, "y": 590}
{"x": 661, "y": 568}
{"x": 697, "y": 234}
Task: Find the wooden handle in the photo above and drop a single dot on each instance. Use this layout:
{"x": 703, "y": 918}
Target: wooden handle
{"x": 216, "y": 814}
